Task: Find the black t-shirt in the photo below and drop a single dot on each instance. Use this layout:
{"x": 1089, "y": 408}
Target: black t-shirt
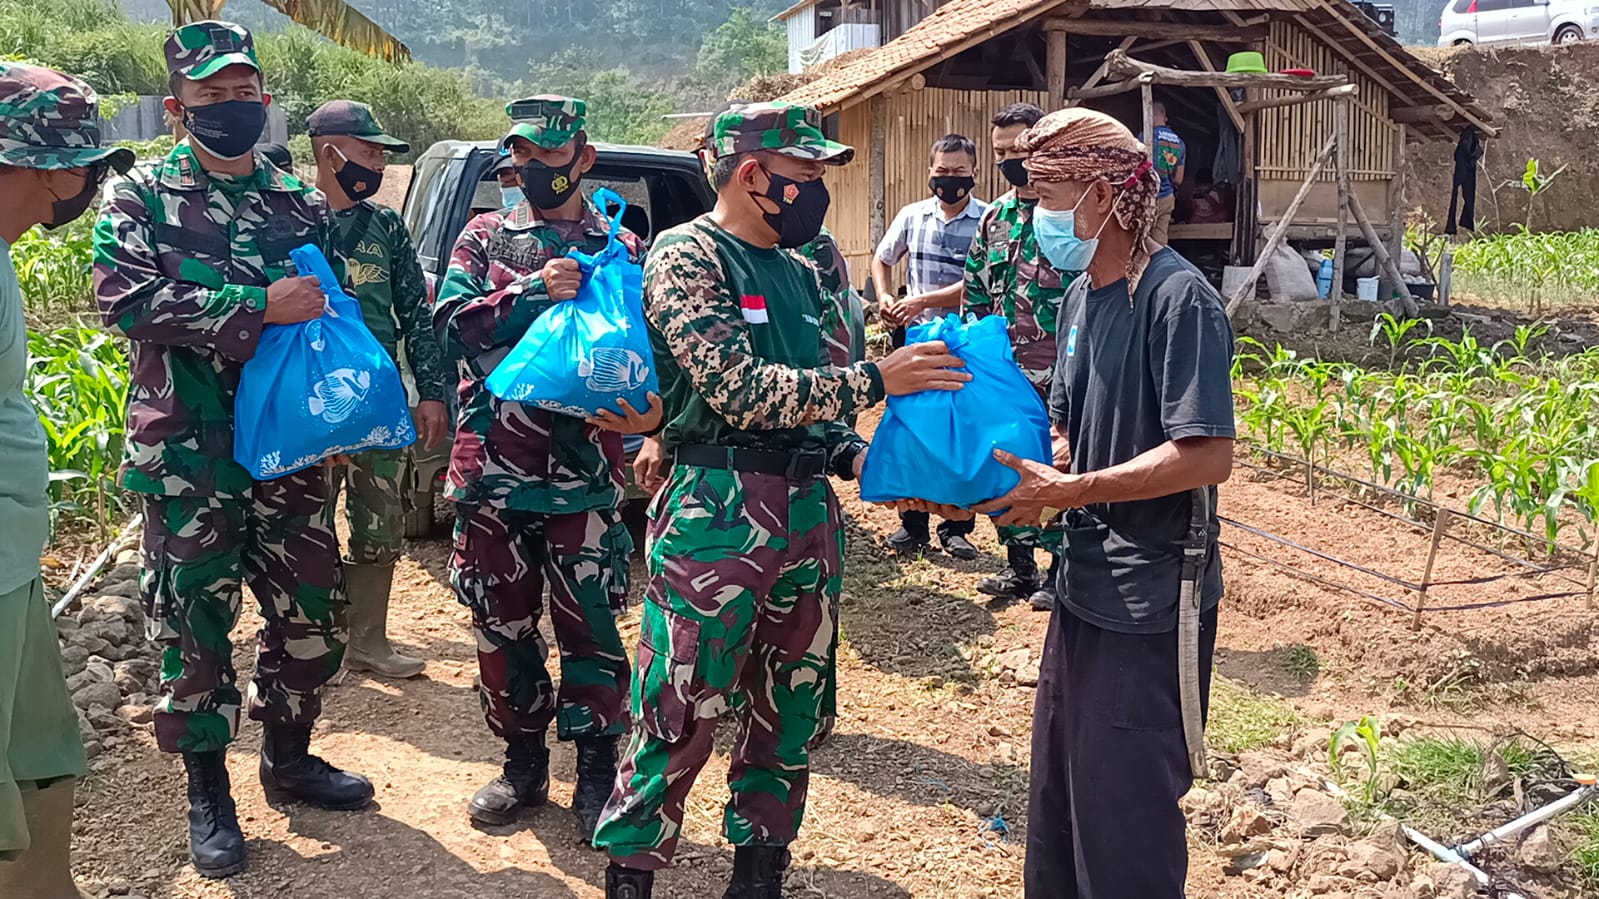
{"x": 1129, "y": 377}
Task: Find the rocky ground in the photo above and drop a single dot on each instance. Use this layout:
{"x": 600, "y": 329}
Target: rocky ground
{"x": 922, "y": 791}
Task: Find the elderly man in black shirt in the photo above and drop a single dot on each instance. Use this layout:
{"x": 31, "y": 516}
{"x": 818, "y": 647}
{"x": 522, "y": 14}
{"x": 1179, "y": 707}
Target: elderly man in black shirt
{"x": 1143, "y": 414}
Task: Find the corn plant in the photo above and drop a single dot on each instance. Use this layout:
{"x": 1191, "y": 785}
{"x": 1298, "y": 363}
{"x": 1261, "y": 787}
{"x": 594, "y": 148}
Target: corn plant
{"x": 1366, "y": 736}
{"x": 78, "y": 382}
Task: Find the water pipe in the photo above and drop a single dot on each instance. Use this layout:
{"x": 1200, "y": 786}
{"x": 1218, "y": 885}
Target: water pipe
{"x": 1445, "y": 854}
{"x": 88, "y": 576}
{"x": 1585, "y": 791}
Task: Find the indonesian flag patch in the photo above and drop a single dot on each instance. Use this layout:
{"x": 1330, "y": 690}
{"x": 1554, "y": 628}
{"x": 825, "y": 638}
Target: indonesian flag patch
{"x": 754, "y": 309}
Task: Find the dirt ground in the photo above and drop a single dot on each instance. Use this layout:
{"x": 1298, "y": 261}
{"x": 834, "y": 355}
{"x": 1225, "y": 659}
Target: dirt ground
{"x": 931, "y": 749}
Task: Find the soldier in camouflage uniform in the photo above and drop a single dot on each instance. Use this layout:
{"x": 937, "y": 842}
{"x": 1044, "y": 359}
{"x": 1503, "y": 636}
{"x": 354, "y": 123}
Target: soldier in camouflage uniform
{"x": 51, "y": 167}
{"x": 746, "y": 537}
{"x": 387, "y": 280}
{"x": 538, "y": 494}
{"x": 191, "y": 262}
{"x": 1006, "y": 275}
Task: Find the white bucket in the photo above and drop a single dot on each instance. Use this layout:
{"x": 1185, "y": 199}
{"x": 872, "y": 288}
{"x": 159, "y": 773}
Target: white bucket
{"x": 1366, "y": 289}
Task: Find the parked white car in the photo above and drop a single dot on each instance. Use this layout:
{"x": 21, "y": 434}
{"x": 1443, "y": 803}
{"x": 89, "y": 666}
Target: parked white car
{"x": 1517, "y": 21}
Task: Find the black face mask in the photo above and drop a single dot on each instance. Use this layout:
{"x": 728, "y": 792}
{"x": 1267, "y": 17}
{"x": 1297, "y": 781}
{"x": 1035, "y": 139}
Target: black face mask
{"x": 801, "y": 207}
{"x": 357, "y": 181}
{"x": 549, "y": 187}
{"x": 65, "y": 210}
{"x": 1015, "y": 171}
{"x": 226, "y": 130}
{"x": 951, "y": 189}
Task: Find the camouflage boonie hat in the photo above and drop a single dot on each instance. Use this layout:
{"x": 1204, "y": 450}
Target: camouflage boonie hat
{"x": 786, "y": 128}
{"x": 203, "y": 49}
{"x": 546, "y": 120}
{"x": 51, "y": 121}
{"x": 347, "y": 118}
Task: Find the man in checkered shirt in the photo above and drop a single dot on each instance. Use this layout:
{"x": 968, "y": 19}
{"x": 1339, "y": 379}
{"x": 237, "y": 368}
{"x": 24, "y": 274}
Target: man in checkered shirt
{"x": 933, "y": 236}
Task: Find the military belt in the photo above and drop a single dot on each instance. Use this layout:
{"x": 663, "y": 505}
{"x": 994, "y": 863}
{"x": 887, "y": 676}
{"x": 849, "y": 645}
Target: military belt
{"x": 801, "y": 466}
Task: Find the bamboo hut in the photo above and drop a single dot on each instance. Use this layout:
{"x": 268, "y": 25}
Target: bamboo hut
{"x": 965, "y": 59}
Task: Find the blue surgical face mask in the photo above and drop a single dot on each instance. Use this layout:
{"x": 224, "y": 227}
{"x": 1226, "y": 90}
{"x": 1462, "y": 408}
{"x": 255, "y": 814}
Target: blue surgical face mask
{"x": 510, "y": 196}
{"x": 1056, "y": 232}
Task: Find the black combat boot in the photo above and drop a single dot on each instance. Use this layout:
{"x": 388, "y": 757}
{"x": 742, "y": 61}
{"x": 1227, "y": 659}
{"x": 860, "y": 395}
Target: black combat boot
{"x": 627, "y": 883}
{"x": 596, "y": 775}
{"x": 524, "y": 784}
{"x": 216, "y": 845}
{"x": 1018, "y": 580}
{"x": 758, "y": 872}
{"x": 290, "y": 773}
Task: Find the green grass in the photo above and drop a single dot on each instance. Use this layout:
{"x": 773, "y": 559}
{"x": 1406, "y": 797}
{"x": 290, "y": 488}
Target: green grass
{"x": 1583, "y": 825}
{"x": 1242, "y": 719}
{"x": 1301, "y": 661}
{"x": 1449, "y": 769}
{"x": 1530, "y": 269}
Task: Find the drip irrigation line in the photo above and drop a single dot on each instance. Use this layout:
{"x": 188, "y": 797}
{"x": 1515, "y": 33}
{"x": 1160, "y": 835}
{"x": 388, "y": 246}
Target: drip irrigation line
{"x": 1466, "y": 607}
{"x": 1408, "y": 498}
{"x": 1276, "y": 538}
{"x": 1316, "y": 578}
{"x": 1533, "y": 567}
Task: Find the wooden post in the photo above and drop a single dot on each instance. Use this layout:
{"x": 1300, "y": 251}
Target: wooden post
{"x": 1281, "y": 228}
{"x": 1396, "y": 209}
{"x": 1387, "y": 266}
{"x": 1446, "y": 274}
{"x": 1440, "y": 525}
{"x": 1148, "y": 91}
{"x": 1593, "y": 577}
{"x": 1341, "y": 239}
{"x": 1055, "y": 61}
{"x": 878, "y": 168}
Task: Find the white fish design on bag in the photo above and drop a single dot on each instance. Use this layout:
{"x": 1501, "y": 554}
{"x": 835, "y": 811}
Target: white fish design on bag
{"x": 336, "y": 397}
{"x": 612, "y": 370}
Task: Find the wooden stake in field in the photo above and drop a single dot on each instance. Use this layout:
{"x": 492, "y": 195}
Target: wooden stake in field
{"x": 1593, "y": 576}
{"x": 1440, "y": 525}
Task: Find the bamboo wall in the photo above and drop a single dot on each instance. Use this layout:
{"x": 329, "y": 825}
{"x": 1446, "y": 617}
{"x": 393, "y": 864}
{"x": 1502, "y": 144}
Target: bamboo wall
{"x": 1291, "y": 136}
{"x": 916, "y": 118}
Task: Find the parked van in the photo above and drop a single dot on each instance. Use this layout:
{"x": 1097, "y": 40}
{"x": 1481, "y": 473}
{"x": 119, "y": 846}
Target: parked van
{"x": 1517, "y": 22}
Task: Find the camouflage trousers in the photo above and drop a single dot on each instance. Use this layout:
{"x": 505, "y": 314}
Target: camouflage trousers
{"x": 503, "y": 560}
{"x": 198, "y": 553}
{"x": 377, "y": 487}
{"x": 742, "y": 616}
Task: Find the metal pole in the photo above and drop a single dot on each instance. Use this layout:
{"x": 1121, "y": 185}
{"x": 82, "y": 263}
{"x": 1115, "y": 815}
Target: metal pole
{"x": 1440, "y": 524}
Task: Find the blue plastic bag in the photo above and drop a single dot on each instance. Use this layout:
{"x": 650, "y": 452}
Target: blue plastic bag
{"x": 316, "y": 389}
{"x": 584, "y": 354}
{"x": 938, "y": 445}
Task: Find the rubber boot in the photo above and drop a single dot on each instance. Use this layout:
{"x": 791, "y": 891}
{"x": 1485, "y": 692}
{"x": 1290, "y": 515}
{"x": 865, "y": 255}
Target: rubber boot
{"x": 290, "y": 773}
{"x": 628, "y": 883}
{"x": 596, "y": 774}
{"x": 368, "y": 587}
{"x": 44, "y": 869}
{"x": 525, "y": 783}
{"x": 758, "y": 872}
{"x": 216, "y": 845}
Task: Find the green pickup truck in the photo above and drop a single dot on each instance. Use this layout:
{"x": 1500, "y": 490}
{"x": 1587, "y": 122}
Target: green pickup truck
{"x": 454, "y": 180}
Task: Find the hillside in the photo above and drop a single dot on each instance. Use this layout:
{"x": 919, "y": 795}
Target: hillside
{"x": 1546, "y": 107}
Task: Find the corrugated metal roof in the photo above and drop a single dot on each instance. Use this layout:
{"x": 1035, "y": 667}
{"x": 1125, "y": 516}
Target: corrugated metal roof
{"x": 793, "y": 9}
{"x": 960, "y": 24}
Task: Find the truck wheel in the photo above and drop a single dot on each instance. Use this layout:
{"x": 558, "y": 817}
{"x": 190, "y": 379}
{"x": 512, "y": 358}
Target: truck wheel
{"x": 420, "y": 521}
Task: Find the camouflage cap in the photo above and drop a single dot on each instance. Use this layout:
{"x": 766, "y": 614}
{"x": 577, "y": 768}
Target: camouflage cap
{"x": 547, "y": 120}
{"x": 202, "y": 49}
{"x": 51, "y": 121}
{"x": 786, "y": 128}
{"x": 347, "y": 118}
